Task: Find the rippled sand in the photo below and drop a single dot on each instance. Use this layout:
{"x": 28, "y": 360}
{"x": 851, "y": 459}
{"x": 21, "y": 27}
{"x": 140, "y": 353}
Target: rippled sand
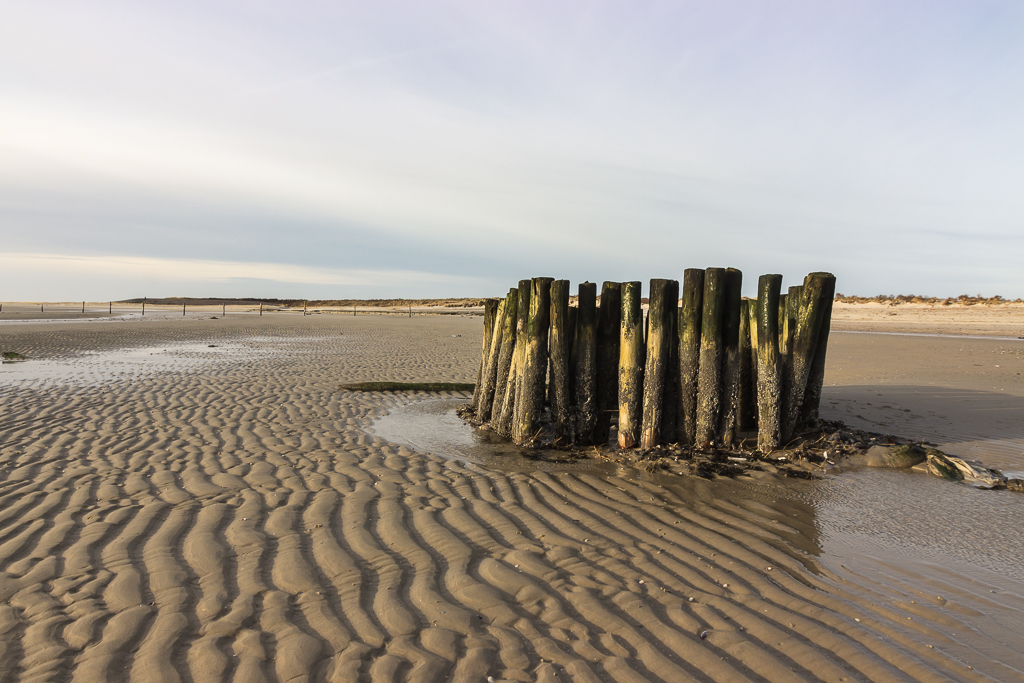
{"x": 226, "y": 513}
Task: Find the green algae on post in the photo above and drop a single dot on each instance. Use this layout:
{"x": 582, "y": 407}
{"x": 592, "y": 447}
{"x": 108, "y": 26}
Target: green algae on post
{"x": 608, "y": 316}
{"x": 559, "y": 351}
{"x": 688, "y": 332}
{"x": 709, "y": 372}
{"x": 631, "y": 365}
{"x": 584, "y": 363}
{"x": 663, "y": 296}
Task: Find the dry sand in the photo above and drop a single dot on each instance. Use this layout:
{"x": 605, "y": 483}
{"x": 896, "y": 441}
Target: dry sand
{"x": 991, "y": 319}
{"x": 172, "y": 510}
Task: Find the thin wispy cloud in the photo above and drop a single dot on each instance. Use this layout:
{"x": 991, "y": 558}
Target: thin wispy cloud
{"x": 76, "y": 273}
{"x": 494, "y": 141}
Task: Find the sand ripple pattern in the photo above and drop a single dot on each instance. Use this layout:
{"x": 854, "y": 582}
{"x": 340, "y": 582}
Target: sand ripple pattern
{"x": 240, "y": 522}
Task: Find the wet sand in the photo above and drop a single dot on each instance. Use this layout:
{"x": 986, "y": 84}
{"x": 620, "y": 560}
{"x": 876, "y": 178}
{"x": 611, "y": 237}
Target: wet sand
{"x": 964, "y": 394}
{"x": 196, "y": 500}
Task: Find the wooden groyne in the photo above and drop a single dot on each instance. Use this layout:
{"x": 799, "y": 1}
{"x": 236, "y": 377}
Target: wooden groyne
{"x": 703, "y": 367}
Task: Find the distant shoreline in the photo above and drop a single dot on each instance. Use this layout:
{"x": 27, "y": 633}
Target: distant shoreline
{"x": 991, "y": 317}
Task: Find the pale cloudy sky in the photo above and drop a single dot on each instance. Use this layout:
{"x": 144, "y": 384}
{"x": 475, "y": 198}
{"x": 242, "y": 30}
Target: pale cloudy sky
{"x": 328, "y": 149}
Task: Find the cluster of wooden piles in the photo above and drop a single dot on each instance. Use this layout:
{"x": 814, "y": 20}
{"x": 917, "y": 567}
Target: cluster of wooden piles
{"x": 702, "y": 367}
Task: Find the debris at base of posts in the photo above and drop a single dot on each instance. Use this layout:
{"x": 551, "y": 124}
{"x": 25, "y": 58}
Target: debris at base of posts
{"x": 830, "y": 445}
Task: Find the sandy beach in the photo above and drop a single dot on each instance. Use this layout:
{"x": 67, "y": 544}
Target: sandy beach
{"x": 1004, "y": 319}
{"x": 195, "y": 499}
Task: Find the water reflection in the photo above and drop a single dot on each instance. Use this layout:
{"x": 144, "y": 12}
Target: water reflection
{"x": 433, "y": 427}
{"x": 885, "y": 513}
{"x": 773, "y": 508}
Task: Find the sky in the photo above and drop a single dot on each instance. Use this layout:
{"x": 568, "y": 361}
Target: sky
{"x": 424, "y": 149}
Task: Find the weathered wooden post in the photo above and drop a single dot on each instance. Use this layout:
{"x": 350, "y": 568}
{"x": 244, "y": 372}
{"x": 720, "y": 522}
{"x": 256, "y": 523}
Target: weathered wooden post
{"x": 732, "y": 300}
{"x": 503, "y": 424}
{"x": 560, "y": 399}
{"x": 83, "y": 307}
{"x": 530, "y": 397}
{"x": 689, "y": 354}
{"x": 183, "y": 310}
{"x": 809, "y": 312}
{"x": 585, "y": 362}
{"x": 489, "y": 376}
{"x": 747, "y": 399}
{"x": 261, "y": 309}
{"x": 608, "y": 333}
{"x": 816, "y": 376}
{"x": 508, "y": 345}
{"x": 752, "y": 313}
{"x": 709, "y": 374}
{"x": 768, "y": 363}
{"x": 659, "y": 328}
{"x": 490, "y": 314}
{"x": 571, "y": 327}
{"x": 631, "y": 365}
{"x": 783, "y": 320}
{"x": 670, "y": 404}
{"x": 143, "y": 307}
{"x": 790, "y": 304}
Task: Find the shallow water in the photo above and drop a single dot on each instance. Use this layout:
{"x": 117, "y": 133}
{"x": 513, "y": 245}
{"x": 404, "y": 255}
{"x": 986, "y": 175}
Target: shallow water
{"x": 898, "y": 515}
{"x": 99, "y": 367}
{"x": 431, "y": 426}
{"x": 105, "y": 366}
